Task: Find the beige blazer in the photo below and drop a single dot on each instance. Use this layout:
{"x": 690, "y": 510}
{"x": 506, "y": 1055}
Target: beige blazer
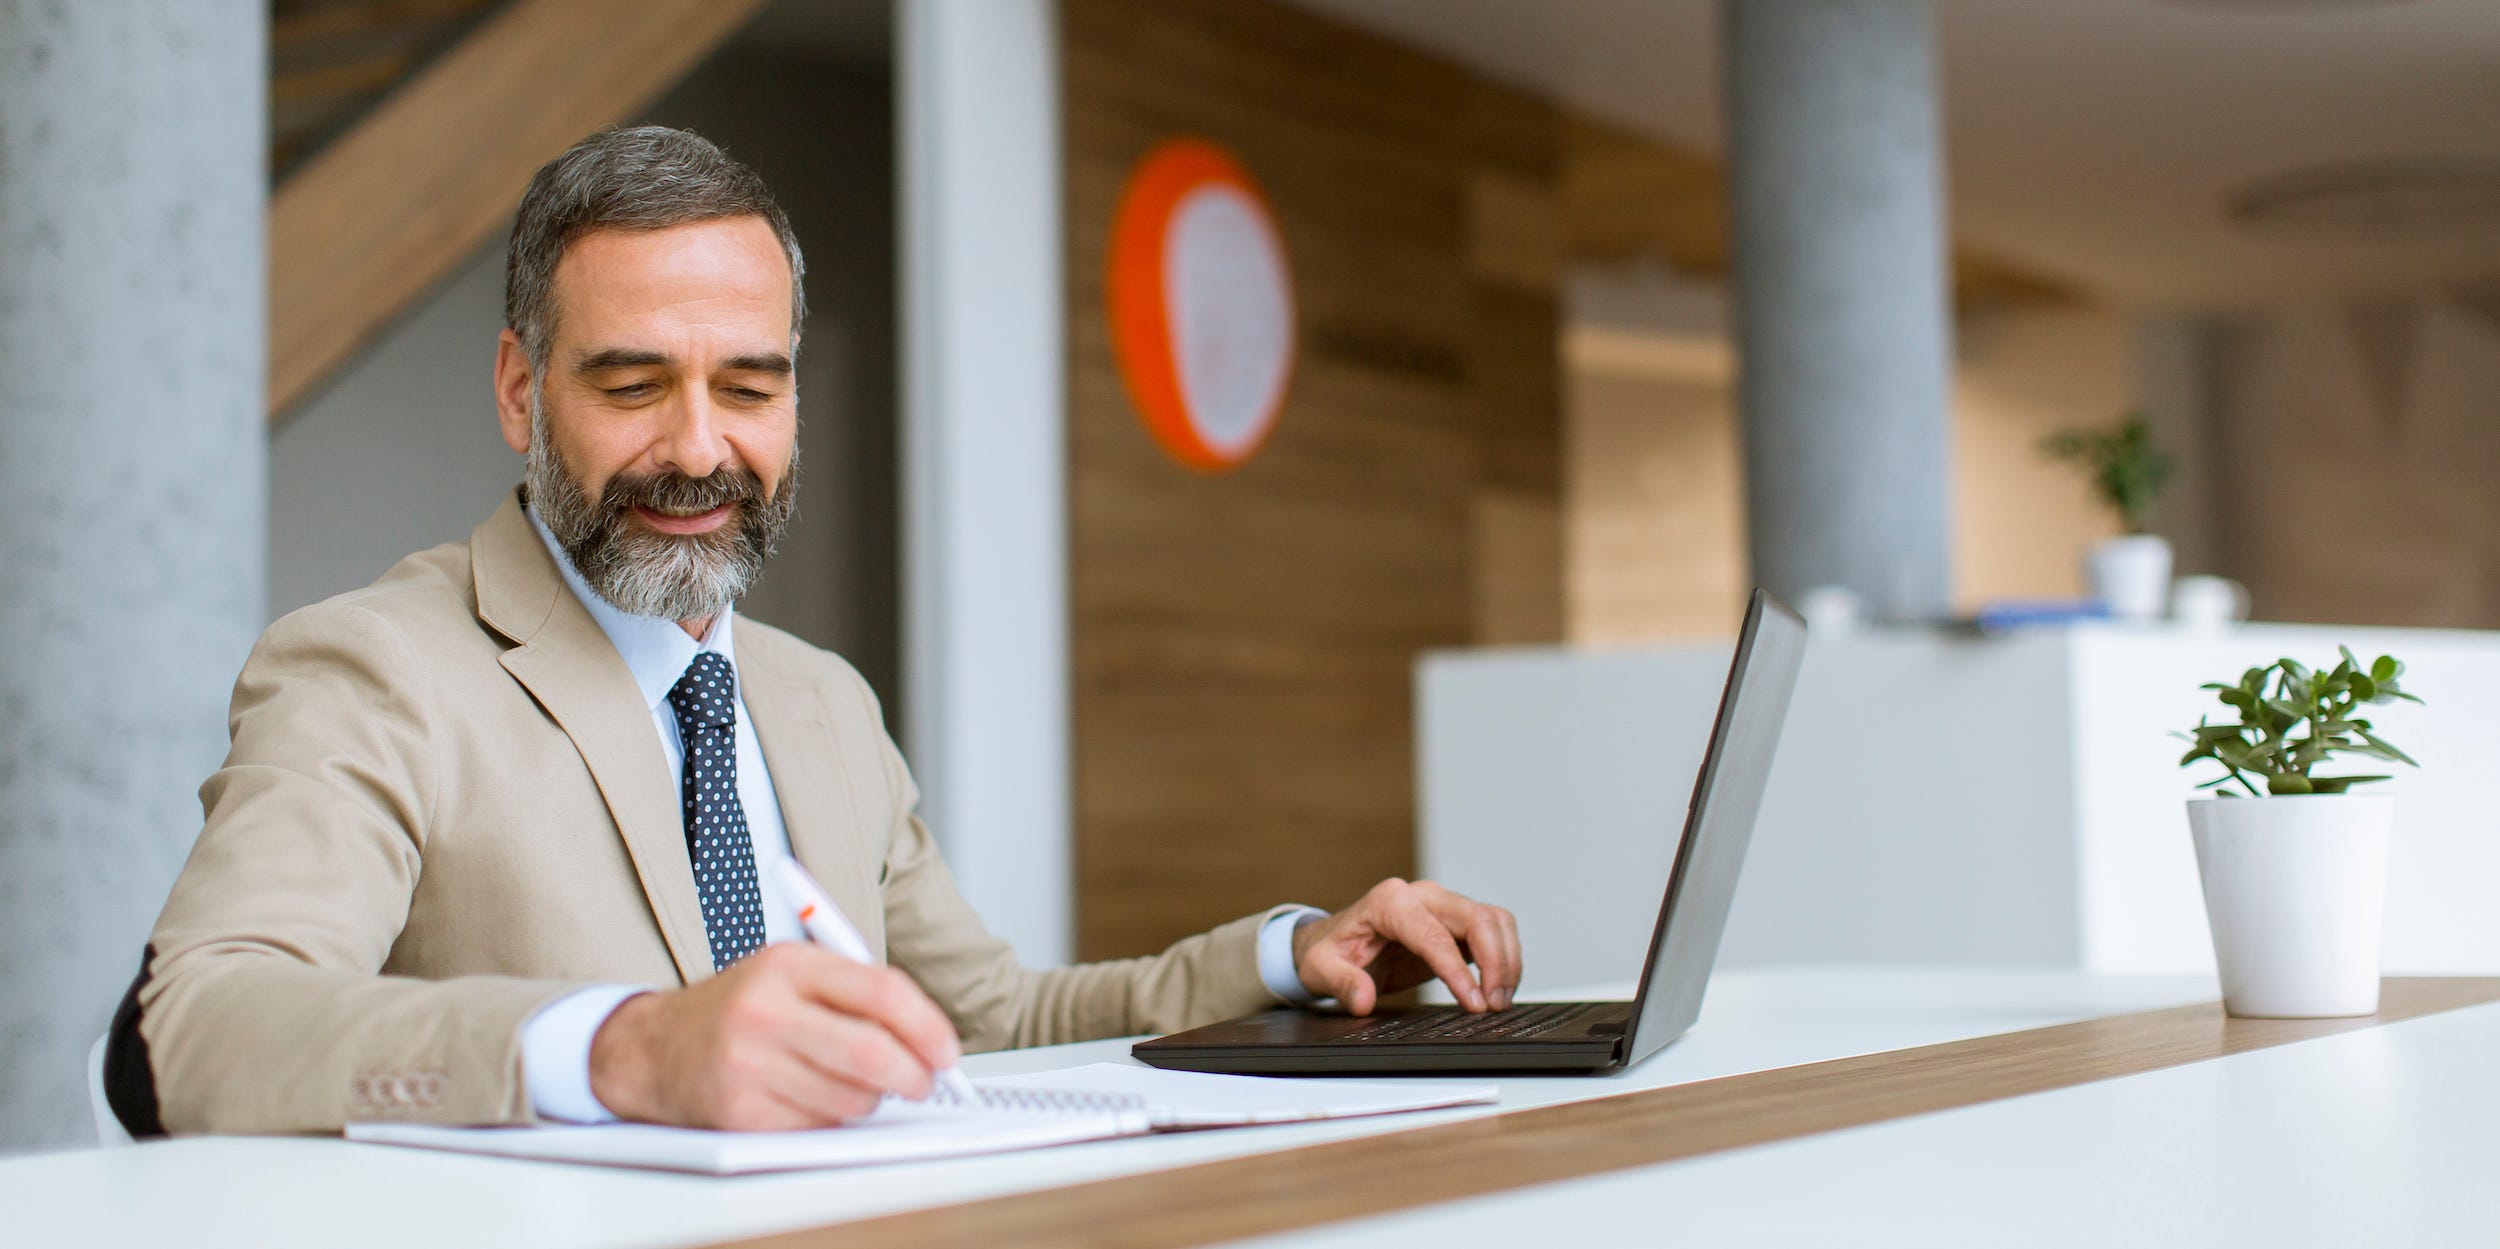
{"x": 446, "y": 807}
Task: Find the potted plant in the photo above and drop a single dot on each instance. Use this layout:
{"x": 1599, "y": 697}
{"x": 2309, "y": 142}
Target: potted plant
{"x": 2295, "y": 872}
{"x": 2129, "y": 573}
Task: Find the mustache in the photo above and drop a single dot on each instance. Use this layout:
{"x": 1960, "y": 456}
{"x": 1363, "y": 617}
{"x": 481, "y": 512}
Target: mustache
{"x": 680, "y": 495}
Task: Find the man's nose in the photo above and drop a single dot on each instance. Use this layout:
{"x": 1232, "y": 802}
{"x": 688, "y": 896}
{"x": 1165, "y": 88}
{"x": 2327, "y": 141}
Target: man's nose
{"x": 692, "y": 445}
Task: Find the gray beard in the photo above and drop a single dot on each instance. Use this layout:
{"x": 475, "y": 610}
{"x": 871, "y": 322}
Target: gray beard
{"x": 643, "y": 573}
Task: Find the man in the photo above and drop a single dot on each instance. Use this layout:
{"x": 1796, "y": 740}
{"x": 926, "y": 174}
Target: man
{"x": 493, "y": 840}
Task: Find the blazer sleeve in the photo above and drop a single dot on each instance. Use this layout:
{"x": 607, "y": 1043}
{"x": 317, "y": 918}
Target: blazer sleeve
{"x": 996, "y": 1003}
{"x": 262, "y": 1007}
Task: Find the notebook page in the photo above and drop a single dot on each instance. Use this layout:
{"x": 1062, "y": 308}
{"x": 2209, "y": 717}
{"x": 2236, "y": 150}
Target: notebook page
{"x": 1195, "y": 1099}
{"x": 897, "y": 1132}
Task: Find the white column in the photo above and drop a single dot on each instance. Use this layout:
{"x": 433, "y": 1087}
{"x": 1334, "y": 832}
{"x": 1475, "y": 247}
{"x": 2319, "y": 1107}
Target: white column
{"x": 1836, "y": 202}
{"x": 133, "y": 184}
{"x": 984, "y": 460}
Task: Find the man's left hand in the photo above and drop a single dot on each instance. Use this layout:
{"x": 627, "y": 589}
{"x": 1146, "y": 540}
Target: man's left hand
{"x": 1402, "y": 934}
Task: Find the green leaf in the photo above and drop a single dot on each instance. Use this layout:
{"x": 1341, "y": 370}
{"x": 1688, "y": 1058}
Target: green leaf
{"x": 2288, "y": 783}
{"x": 2340, "y": 783}
{"x": 2385, "y": 751}
{"x": 2386, "y": 669}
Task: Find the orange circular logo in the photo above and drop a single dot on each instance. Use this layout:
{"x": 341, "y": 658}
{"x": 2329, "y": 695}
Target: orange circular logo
{"x": 1201, "y": 303}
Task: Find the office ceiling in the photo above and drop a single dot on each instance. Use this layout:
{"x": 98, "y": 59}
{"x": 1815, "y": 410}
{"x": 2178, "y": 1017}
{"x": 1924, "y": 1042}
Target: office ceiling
{"x": 2106, "y": 140}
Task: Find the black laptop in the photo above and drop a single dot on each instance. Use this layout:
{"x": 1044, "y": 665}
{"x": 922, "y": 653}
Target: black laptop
{"x": 1564, "y": 1036}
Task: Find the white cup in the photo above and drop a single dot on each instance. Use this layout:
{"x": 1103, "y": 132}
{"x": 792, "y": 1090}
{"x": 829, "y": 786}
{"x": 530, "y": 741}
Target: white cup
{"x": 2208, "y": 602}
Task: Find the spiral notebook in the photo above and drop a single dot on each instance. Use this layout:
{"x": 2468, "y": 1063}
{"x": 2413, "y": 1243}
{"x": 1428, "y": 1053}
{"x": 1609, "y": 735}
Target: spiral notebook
{"x": 1018, "y": 1112}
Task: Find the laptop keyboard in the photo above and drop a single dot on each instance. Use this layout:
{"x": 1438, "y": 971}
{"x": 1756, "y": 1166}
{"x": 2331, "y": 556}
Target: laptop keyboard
{"x": 1452, "y": 1024}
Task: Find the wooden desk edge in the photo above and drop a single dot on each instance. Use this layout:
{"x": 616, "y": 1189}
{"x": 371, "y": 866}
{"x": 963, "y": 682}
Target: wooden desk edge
{"x": 1263, "y": 1194}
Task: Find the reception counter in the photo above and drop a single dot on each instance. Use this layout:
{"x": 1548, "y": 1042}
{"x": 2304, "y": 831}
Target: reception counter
{"x": 1937, "y": 798}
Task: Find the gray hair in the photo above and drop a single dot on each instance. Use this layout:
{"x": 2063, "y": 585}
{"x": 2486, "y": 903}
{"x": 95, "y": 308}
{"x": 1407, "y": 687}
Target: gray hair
{"x": 643, "y": 178}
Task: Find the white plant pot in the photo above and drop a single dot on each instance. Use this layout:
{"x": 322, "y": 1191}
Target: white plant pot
{"x": 2131, "y": 575}
{"x": 2296, "y": 892}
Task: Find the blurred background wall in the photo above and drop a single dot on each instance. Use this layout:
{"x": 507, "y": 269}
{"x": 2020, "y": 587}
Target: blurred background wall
{"x": 2356, "y": 440}
{"x": 1242, "y": 641}
{"x": 1512, "y": 421}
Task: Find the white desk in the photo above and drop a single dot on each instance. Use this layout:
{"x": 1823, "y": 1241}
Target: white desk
{"x": 271, "y": 1193}
{"x": 2385, "y": 1136}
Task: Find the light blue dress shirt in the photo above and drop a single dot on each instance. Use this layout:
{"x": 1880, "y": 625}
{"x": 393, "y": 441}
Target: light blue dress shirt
{"x": 555, "y": 1043}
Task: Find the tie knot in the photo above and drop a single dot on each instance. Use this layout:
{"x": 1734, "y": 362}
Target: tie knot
{"x": 708, "y": 694}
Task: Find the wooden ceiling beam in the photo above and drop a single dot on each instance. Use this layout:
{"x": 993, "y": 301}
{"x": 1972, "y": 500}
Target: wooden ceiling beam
{"x": 381, "y": 214}
{"x": 292, "y": 28}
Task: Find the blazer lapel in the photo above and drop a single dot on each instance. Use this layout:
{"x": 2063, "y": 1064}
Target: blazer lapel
{"x": 812, "y": 784}
{"x": 573, "y": 671}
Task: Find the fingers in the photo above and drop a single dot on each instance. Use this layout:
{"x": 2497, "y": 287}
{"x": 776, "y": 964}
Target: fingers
{"x": 1342, "y": 979}
{"x": 1413, "y": 922}
{"x": 888, "y": 999}
{"x": 859, "y": 1054}
{"x": 1430, "y": 922}
{"x": 1518, "y": 954}
{"x": 1494, "y": 945}
{"x": 786, "y": 1093}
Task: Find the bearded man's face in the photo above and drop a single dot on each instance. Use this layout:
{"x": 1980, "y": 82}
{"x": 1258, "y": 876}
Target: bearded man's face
{"x": 662, "y": 431}
{"x": 618, "y": 544}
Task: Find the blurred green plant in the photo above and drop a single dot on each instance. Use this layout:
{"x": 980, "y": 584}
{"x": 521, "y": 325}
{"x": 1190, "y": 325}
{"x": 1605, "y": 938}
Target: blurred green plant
{"x": 2128, "y": 470}
{"x": 2274, "y": 701}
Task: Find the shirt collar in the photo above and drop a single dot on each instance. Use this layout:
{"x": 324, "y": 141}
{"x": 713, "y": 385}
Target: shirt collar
{"x": 655, "y": 650}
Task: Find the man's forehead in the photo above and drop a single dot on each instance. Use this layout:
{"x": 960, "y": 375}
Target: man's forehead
{"x": 726, "y": 272}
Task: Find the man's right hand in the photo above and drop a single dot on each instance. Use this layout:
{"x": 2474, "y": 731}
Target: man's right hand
{"x": 791, "y": 1036}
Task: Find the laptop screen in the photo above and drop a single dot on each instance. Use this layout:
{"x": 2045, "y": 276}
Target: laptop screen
{"x": 1726, "y": 797}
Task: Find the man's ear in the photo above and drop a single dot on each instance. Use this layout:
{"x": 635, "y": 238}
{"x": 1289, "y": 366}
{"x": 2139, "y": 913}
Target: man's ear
{"x": 512, "y": 392}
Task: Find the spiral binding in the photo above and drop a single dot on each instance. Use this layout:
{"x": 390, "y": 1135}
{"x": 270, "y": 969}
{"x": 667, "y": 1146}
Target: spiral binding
{"x": 1043, "y": 1101}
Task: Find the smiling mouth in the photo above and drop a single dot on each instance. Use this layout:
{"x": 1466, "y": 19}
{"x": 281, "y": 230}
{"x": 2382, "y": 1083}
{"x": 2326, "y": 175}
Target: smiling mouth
{"x": 685, "y": 522}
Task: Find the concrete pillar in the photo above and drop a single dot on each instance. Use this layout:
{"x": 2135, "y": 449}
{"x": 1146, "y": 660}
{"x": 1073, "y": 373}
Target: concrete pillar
{"x": 984, "y": 457}
{"x": 1836, "y": 205}
{"x": 133, "y": 185}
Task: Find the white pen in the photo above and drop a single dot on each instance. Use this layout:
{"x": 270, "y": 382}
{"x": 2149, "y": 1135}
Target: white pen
{"x": 827, "y": 926}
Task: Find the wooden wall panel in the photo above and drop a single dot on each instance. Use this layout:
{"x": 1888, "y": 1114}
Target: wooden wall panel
{"x": 1243, "y": 643}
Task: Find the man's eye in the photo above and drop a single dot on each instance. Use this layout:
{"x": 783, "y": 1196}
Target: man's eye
{"x": 749, "y": 394}
{"x": 637, "y": 390}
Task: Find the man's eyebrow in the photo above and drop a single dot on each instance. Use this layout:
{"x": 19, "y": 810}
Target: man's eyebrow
{"x": 617, "y": 358}
{"x": 772, "y": 362}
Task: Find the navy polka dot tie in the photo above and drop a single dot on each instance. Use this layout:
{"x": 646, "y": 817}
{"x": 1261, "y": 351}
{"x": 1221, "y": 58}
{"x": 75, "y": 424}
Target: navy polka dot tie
{"x": 706, "y": 701}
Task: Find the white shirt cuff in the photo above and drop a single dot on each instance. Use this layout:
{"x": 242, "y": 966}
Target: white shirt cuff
{"x": 555, "y": 1053}
{"x": 1276, "y": 966}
